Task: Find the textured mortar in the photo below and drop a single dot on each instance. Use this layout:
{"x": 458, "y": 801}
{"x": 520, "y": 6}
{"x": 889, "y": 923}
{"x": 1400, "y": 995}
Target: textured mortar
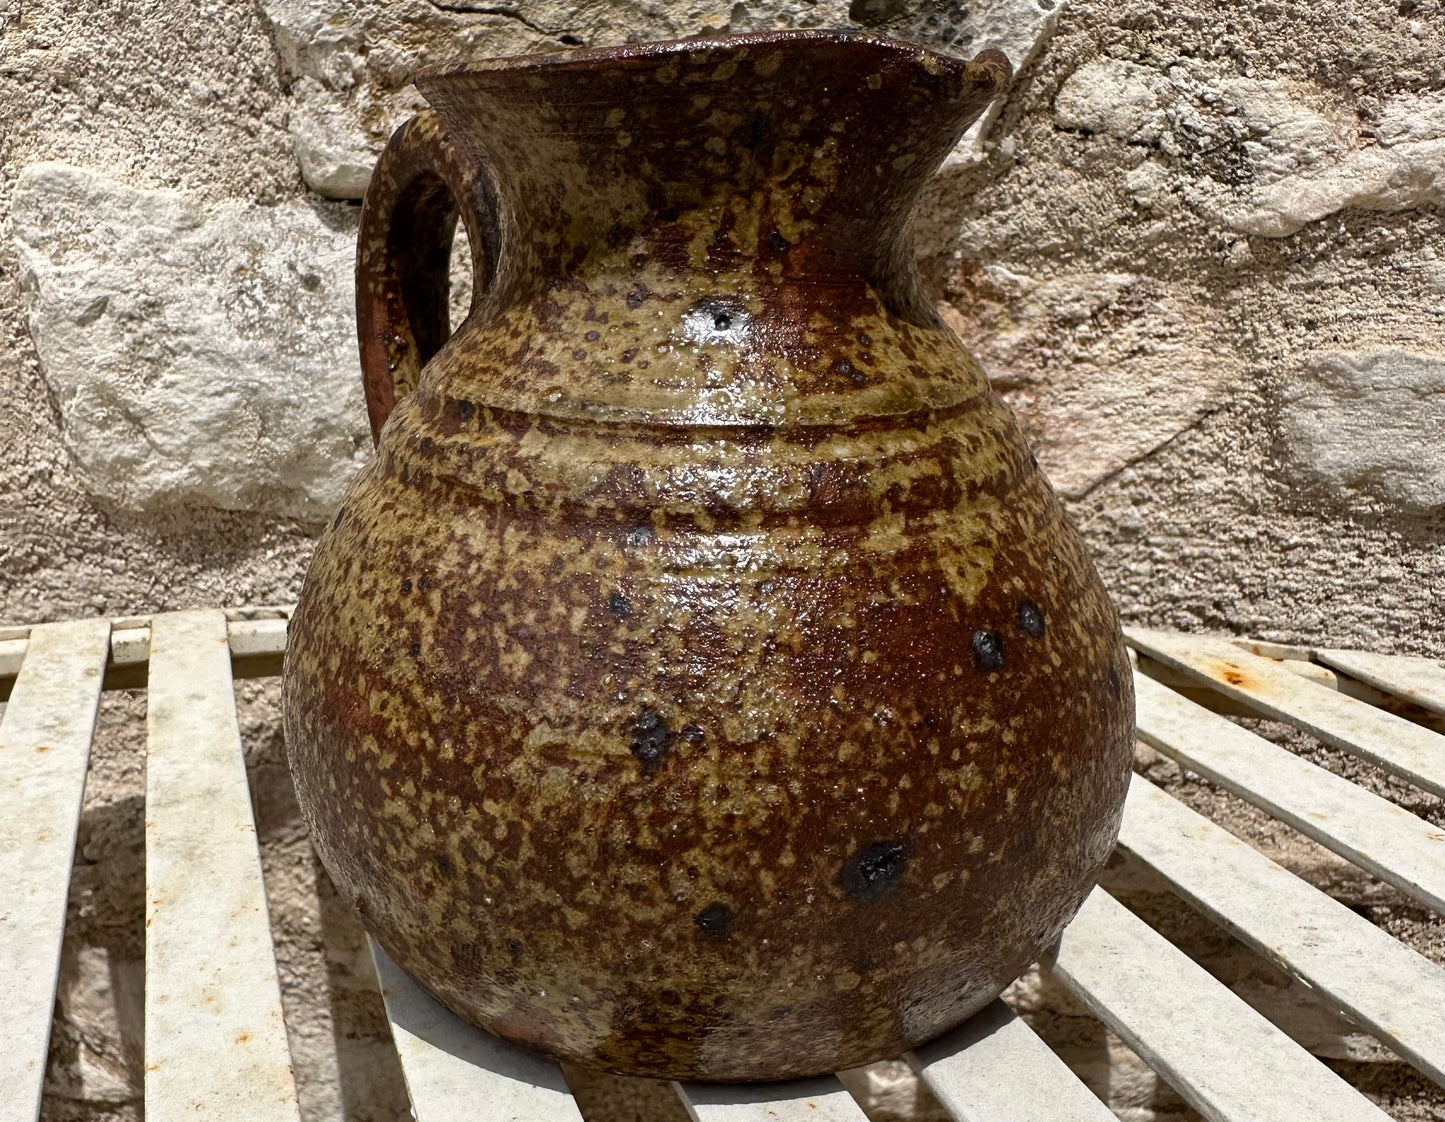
{"x": 1208, "y": 516}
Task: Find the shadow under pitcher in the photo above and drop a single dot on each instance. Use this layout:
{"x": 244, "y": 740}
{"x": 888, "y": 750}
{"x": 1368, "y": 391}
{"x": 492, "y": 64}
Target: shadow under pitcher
{"x": 702, "y": 681}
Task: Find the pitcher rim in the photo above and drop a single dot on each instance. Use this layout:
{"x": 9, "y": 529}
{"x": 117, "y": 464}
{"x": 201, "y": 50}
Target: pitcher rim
{"x": 935, "y": 62}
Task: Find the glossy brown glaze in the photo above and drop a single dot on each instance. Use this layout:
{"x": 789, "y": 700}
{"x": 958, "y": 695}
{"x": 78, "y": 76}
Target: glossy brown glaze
{"x": 703, "y": 680}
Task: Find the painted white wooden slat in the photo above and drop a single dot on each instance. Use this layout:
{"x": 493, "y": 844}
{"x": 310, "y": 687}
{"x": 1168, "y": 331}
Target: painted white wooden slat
{"x": 44, "y": 748}
{"x": 1284, "y": 651}
{"x": 257, "y": 636}
{"x": 805, "y": 1100}
{"x": 12, "y": 655}
{"x": 994, "y": 1068}
{"x": 253, "y": 631}
{"x": 1225, "y": 1059}
{"x": 1374, "y": 833}
{"x": 1381, "y": 983}
{"x": 454, "y": 1071}
{"x": 1421, "y": 680}
{"x": 1403, "y": 747}
{"x": 215, "y": 1043}
{"x": 261, "y": 611}
{"x": 130, "y": 645}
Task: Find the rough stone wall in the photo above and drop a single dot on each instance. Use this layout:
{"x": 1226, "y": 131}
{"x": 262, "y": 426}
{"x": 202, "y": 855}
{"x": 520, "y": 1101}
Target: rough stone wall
{"x": 1200, "y": 248}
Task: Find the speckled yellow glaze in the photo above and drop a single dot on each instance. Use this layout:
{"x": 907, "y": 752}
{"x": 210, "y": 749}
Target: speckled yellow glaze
{"x": 703, "y": 680}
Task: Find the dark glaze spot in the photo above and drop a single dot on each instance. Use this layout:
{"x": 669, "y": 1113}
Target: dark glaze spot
{"x": 514, "y": 947}
{"x": 340, "y": 514}
{"x": 619, "y": 605}
{"x": 714, "y": 920}
{"x": 988, "y": 649}
{"x": 651, "y": 739}
{"x": 629, "y": 354}
{"x": 757, "y": 130}
{"x": 863, "y": 963}
{"x": 414, "y": 650}
{"x": 465, "y": 409}
{"x": 722, "y": 321}
{"x": 846, "y": 369}
{"x": 864, "y": 339}
{"x": 592, "y": 336}
{"x": 1114, "y": 685}
{"x": 693, "y": 734}
{"x": 669, "y": 997}
{"x": 406, "y": 586}
{"x": 443, "y": 864}
{"x": 641, "y": 535}
{"x": 1031, "y": 619}
{"x": 635, "y": 299}
{"x": 579, "y": 354}
{"x": 777, "y": 243}
{"x": 875, "y": 870}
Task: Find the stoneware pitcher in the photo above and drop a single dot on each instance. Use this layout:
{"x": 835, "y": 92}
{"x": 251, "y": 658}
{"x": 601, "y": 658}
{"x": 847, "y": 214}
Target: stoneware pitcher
{"x": 702, "y": 681}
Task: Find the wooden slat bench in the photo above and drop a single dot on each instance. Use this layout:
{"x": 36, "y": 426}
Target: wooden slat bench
{"x": 215, "y": 1039}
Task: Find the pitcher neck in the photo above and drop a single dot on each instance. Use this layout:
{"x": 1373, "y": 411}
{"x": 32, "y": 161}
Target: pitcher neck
{"x": 798, "y": 152}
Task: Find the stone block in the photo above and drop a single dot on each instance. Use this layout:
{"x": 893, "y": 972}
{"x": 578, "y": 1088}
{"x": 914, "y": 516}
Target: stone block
{"x": 1261, "y": 156}
{"x": 1369, "y": 425}
{"x": 1115, "y": 97}
{"x": 196, "y": 354}
{"x": 1100, "y": 368}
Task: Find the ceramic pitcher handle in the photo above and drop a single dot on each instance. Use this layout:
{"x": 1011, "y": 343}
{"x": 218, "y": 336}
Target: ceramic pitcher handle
{"x": 403, "y": 253}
